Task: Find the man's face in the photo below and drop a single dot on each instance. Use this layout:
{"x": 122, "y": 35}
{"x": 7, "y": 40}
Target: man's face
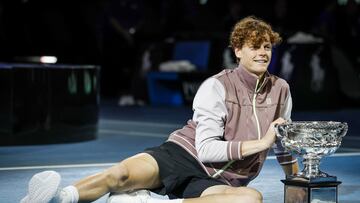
{"x": 255, "y": 59}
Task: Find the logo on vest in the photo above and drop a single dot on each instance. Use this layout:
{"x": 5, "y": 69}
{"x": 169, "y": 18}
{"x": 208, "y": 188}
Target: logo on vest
{"x": 268, "y": 101}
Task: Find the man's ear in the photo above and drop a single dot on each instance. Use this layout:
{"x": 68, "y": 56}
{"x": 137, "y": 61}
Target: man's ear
{"x": 238, "y": 53}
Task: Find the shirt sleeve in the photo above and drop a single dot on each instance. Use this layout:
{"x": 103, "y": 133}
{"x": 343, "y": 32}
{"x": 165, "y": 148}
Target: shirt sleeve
{"x": 286, "y": 110}
{"x": 282, "y": 155}
{"x": 210, "y": 115}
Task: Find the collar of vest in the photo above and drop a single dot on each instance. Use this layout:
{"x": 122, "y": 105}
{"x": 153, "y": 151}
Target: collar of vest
{"x": 249, "y": 79}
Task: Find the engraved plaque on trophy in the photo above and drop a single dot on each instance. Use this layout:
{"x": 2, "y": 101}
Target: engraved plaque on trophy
{"x": 311, "y": 140}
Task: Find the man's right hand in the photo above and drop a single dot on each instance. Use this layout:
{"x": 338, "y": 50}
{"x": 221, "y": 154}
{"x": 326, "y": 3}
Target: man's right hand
{"x": 270, "y": 135}
{"x": 254, "y": 146}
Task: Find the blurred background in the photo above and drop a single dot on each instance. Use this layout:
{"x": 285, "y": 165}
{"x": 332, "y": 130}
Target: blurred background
{"x": 62, "y": 62}
{"x": 129, "y": 39}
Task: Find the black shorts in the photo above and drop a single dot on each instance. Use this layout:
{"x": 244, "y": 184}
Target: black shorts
{"x": 180, "y": 173}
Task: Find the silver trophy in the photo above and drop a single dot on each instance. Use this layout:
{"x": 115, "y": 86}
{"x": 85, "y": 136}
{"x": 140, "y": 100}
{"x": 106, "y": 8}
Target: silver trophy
{"x": 312, "y": 140}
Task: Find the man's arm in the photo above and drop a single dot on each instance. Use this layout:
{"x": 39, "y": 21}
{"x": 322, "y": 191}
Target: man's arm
{"x": 254, "y": 146}
{"x": 291, "y": 169}
{"x": 209, "y": 114}
{"x": 288, "y": 163}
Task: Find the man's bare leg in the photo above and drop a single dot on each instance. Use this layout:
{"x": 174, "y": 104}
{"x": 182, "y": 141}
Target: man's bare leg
{"x": 225, "y": 193}
{"x": 221, "y": 194}
{"x": 137, "y": 179}
{"x": 141, "y": 172}
{"x": 221, "y": 198}
{"x": 137, "y": 172}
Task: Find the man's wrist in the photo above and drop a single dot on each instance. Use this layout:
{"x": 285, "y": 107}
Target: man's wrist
{"x": 266, "y": 143}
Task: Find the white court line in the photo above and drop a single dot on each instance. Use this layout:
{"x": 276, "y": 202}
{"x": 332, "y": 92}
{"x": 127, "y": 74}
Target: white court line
{"x": 351, "y": 138}
{"x": 334, "y": 155}
{"x": 56, "y": 166}
{"x": 167, "y": 125}
{"x": 152, "y": 124}
{"x": 134, "y": 133}
{"x": 161, "y": 135}
{"x": 111, "y": 164}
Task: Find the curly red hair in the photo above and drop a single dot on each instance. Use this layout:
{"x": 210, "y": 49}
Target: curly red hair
{"x": 253, "y": 31}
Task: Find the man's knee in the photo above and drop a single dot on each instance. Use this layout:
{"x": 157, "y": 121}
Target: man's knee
{"x": 254, "y": 193}
{"x": 246, "y": 198}
{"x": 251, "y": 199}
{"x": 117, "y": 177}
{"x": 250, "y": 193}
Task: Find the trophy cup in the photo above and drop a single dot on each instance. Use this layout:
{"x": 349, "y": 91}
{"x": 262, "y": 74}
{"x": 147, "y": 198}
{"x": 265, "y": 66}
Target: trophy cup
{"x": 311, "y": 140}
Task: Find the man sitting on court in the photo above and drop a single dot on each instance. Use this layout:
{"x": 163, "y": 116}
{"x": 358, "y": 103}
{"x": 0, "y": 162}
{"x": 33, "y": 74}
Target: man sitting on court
{"x": 220, "y": 150}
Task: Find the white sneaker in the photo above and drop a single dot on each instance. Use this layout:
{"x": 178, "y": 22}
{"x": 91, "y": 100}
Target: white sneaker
{"x": 42, "y": 187}
{"x": 139, "y": 196}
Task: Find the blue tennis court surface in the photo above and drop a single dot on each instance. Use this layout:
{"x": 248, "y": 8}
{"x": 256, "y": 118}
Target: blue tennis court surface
{"x": 126, "y": 131}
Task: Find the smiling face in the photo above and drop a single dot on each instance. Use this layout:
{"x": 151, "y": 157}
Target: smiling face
{"x": 255, "y": 59}
{"x": 252, "y": 40}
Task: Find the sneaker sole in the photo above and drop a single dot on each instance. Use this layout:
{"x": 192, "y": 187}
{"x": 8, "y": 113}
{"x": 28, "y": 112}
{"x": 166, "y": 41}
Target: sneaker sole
{"x": 43, "y": 187}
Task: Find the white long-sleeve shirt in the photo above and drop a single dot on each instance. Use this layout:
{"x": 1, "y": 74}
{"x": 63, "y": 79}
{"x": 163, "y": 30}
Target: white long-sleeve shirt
{"x": 210, "y": 115}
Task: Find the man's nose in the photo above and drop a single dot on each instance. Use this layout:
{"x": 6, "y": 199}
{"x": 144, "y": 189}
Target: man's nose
{"x": 262, "y": 51}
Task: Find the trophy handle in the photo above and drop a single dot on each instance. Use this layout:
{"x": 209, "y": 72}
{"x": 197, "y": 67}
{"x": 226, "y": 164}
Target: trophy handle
{"x": 276, "y": 127}
{"x": 345, "y": 129}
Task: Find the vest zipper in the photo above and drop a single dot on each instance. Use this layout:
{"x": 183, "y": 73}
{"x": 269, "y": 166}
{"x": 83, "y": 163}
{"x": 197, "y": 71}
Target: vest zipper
{"x": 254, "y": 109}
{"x": 219, "y": 172}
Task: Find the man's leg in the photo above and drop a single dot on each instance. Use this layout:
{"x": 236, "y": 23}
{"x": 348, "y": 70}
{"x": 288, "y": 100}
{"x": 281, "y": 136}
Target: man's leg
{"x": 137, "y": 172}
{"x": 227, "y": 193}
{"x": 220, "y": 194}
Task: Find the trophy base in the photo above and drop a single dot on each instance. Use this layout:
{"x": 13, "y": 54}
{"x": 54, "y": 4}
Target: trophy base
{"x": 310, "y": 192}
{"x": 319, "y": 179}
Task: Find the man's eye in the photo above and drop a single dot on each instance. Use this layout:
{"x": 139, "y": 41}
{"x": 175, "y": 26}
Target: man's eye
{"x": 268, "y": 47}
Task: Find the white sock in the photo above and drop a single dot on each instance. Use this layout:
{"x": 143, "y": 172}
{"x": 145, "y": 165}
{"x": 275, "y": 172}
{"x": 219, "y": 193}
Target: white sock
{"x": 69, "y": 194}
{"x": 155, "y": 200}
